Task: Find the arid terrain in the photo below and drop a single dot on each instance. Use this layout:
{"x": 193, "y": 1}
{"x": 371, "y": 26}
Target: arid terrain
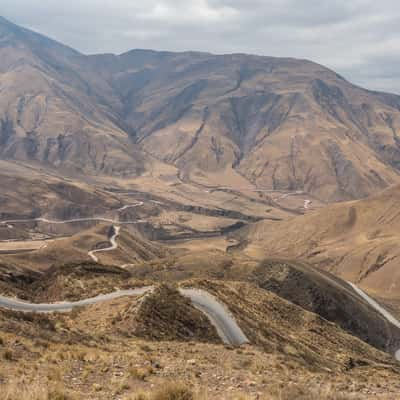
{"x": 180, "y": 226}
{"x": 356, "y": 240}
{"x": 114, "y": 347}
{"x": 237, "y": 121}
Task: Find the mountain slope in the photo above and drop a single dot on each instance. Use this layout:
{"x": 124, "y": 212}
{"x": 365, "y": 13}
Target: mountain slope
{"x": 26, "y": 193}
{"x": 274, "y": 324}
{"x": 357, "y": 240}
{"x": 118, "y": 342}
{"x": 50, "y": 113}
{"x": 281, "y": 124}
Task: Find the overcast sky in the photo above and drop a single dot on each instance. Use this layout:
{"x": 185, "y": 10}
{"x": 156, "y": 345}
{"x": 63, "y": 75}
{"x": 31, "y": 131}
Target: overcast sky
{"x": 360, "y": 39}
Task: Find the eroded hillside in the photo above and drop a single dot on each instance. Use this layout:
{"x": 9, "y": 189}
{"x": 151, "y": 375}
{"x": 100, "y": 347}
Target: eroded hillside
{"x": 236, "y": 120}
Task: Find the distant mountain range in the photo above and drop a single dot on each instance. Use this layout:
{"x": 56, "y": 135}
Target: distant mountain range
{"x": 280, "y": 123}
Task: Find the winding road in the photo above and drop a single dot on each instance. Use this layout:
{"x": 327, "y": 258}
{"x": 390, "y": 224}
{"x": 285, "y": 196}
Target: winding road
{"x": 19, "y": 305}
{"x": 9, "y": 223}
{"x": 218, "y": 314}
{"x": 91, "y": 253}
{"x": 386, "y": 314}
{"x": 113, "y": 242}
{"x": 140, "y": 203}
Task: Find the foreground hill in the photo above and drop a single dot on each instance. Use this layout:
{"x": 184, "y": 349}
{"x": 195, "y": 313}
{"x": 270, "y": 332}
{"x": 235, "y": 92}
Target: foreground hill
{"x": 356, "y": 240}
{"x": 132, "y": 343}
{"x": 282, "y": 124}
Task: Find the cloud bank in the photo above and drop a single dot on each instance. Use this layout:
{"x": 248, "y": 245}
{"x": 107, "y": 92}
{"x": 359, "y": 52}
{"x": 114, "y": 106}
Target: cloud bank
{"x": 359, "y": 39}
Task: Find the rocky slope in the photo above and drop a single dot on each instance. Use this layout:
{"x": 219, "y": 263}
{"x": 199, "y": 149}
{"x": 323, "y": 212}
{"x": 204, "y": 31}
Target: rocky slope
{"x": 304, "y": 288}
{"x": 124, "y": 345}
{"x": 269, "y": 321}
{"x": 279, "y": 123}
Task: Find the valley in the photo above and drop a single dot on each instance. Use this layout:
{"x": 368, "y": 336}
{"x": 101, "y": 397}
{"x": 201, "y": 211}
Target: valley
{"x": 225, "y": 222}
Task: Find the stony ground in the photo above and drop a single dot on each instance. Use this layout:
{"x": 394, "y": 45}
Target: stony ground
{"x": 115, "y": 369}
{"x": 115, "y": 349}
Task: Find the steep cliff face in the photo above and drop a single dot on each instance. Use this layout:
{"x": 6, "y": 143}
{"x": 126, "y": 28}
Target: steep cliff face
{"x": 280, "y": 123}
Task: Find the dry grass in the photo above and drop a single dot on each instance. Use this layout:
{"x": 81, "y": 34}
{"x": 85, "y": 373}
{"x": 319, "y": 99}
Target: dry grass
{"x": 171, "y": 391}
{"x": 35, "y": 391}
{"x": 296, "y": 392}
{"x": 179, "y": 391}
{"x": 55, "y": 349}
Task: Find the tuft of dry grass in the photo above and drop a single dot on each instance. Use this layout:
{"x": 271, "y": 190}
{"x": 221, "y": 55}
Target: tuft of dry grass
{"x": 8, "y": 355}
{"x": 174, "y": 391}
{"x": 170, "y": 391}
{"x": 140, "y": 373}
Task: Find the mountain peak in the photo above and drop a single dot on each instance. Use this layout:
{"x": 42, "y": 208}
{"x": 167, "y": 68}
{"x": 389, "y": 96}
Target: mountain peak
{"x": 36, "y": 41}
{"x": 4, "y": 20}
{"x": 7, "y": 26}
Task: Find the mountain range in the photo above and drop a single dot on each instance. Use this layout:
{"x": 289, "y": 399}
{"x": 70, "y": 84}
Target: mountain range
{"x": 229, "y": 220}
{"x": 277, "y": 123}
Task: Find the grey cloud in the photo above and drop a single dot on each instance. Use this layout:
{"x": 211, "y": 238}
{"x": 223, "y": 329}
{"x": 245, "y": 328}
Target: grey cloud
{"x": 358, "y": 38}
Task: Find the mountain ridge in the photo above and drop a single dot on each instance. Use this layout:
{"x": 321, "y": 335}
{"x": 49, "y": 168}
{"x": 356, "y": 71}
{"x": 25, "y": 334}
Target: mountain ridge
{"x": 280, "y": 123}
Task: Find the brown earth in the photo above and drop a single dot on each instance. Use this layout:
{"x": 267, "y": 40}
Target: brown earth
{"x": 358, "y": 241}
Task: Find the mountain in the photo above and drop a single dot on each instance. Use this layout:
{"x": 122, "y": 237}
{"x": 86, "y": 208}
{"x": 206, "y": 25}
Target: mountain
{"x": 283, "y": 124}
{"x": 50, "y": 113}
{"x": 357, "y": 240}
{"x": 280, "y": 123}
